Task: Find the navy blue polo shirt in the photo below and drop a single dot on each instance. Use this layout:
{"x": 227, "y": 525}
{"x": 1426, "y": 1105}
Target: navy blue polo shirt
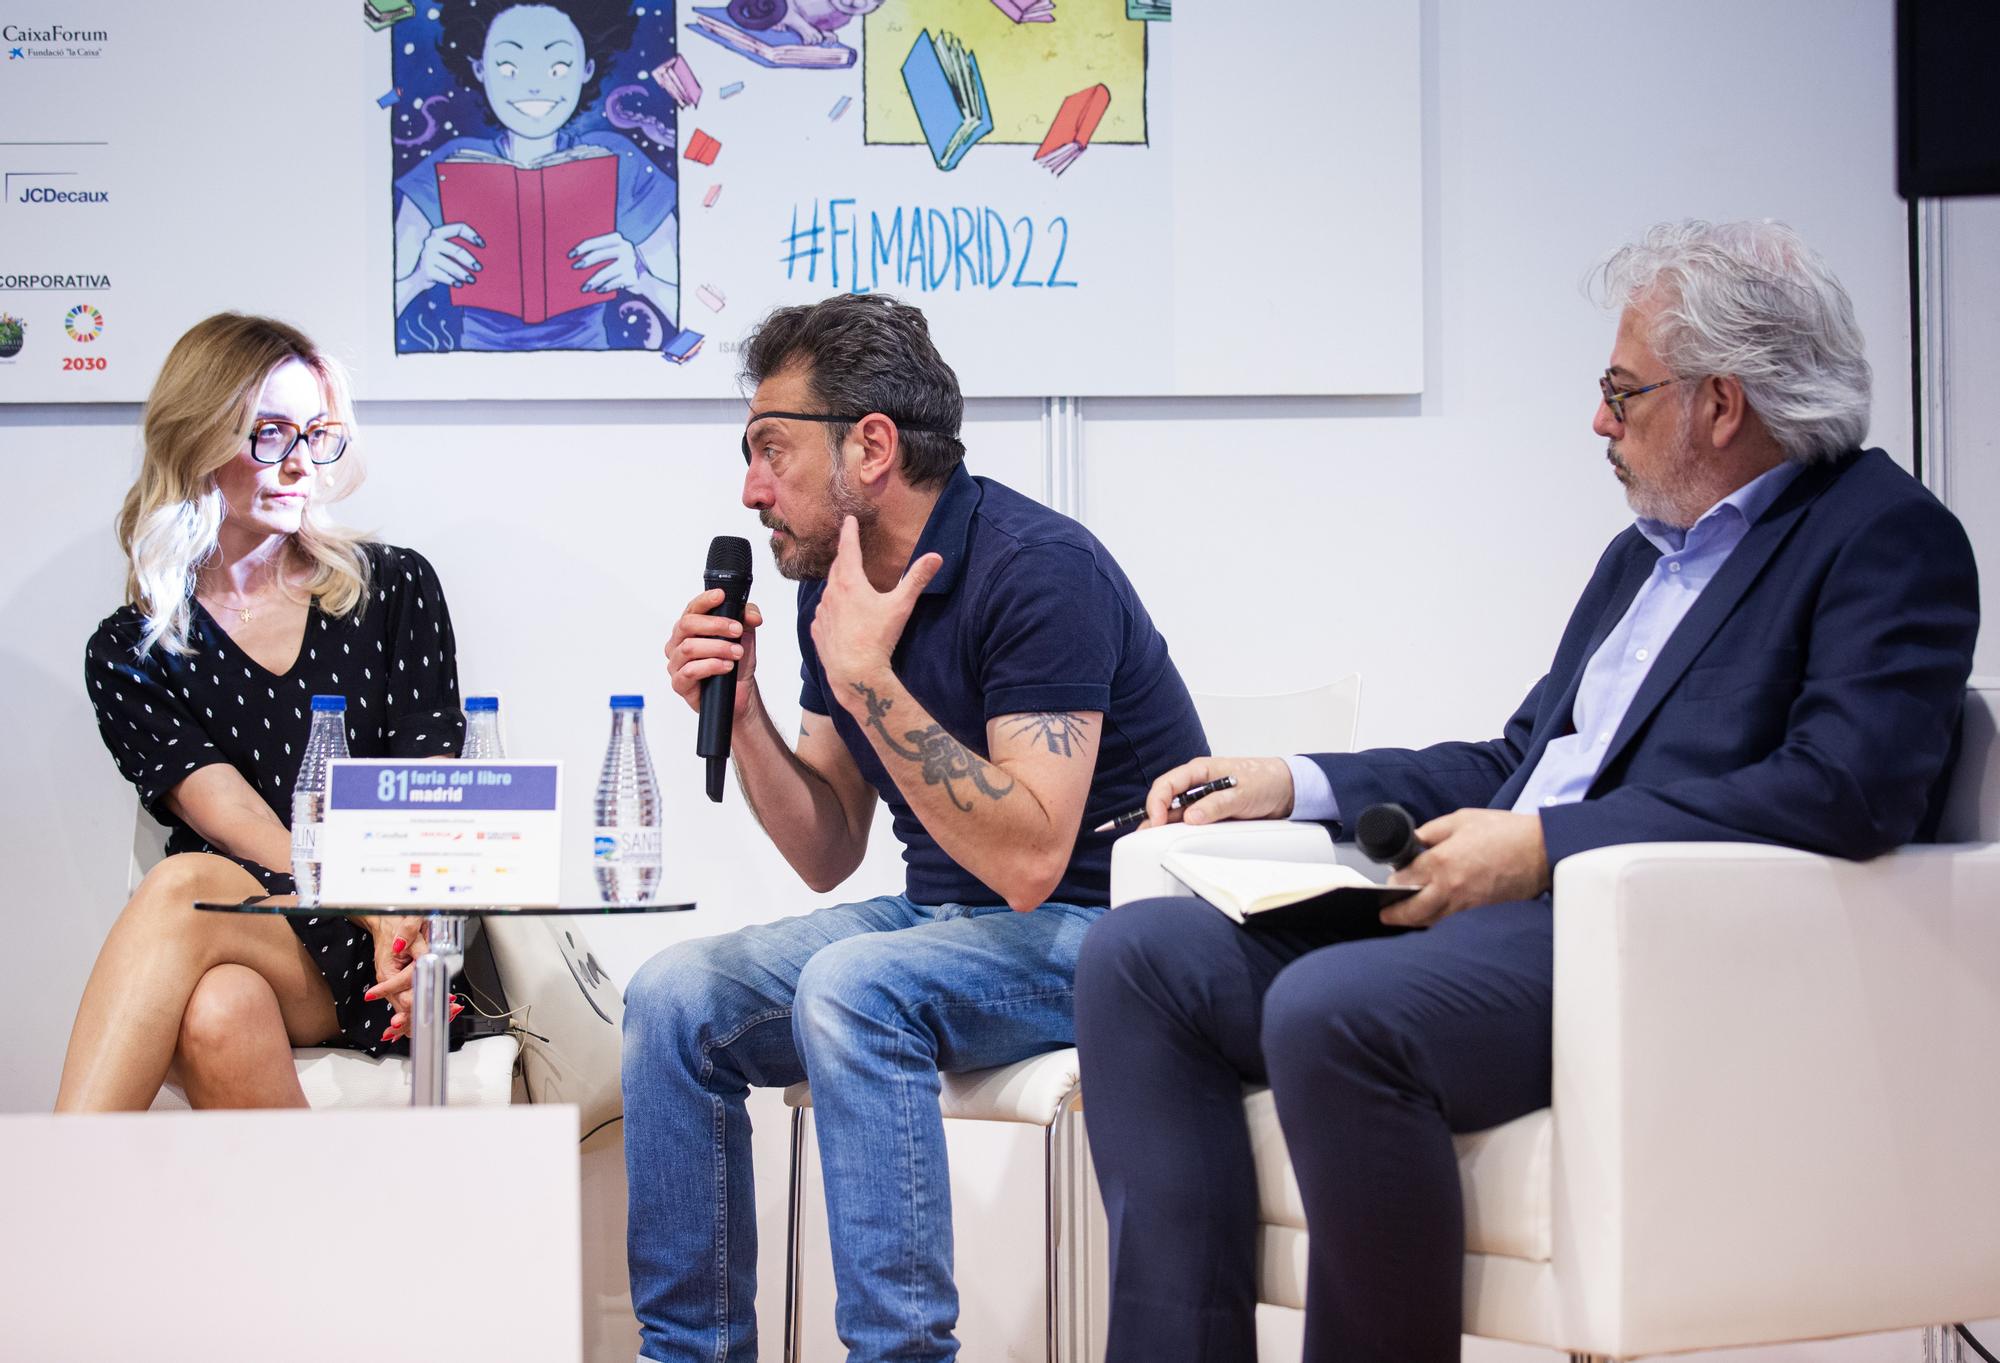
{"x": 1028, "y": 613}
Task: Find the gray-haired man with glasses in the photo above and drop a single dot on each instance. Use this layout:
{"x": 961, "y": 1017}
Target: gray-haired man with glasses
{"x": 1775, "y": 652}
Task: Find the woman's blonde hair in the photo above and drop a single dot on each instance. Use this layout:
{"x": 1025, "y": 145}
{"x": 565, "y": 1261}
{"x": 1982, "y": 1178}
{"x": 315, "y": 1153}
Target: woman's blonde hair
{"x": 198, "y": 418}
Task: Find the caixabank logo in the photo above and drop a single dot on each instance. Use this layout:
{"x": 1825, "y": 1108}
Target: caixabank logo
{"x": 52, "y": 42}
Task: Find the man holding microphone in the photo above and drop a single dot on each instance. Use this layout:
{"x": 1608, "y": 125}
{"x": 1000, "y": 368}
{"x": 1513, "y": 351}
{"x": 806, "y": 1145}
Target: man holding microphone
{"x": 980, "y": 664}
{"x": 1775, "y": 652}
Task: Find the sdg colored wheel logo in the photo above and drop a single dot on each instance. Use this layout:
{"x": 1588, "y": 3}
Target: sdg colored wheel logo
{"x": 83, "y": 323}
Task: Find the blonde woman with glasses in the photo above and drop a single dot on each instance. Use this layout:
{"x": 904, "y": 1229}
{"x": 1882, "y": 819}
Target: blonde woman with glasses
{"x": 243, "y": 601}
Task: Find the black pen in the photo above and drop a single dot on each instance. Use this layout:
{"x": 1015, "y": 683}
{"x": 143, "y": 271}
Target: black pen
{"x": 1180, "y": 801}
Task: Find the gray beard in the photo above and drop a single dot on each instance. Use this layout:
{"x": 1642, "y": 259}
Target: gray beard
{"x": 1680, "y": 498}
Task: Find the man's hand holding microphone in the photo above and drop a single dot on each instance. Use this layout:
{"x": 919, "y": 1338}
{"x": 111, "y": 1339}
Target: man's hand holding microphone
{"x": 714, "y": 648}
{"x": 707, "y": 645}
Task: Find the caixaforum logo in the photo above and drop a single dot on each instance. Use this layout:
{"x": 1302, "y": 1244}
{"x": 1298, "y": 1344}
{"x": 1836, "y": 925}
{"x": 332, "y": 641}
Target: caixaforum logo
{"x": 26, "y": 42}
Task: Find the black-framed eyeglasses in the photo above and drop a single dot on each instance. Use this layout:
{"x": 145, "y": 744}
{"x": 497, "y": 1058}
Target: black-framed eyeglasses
{"x": 272, "y": 440}
{"x": 831, "y": 419}
{"x": 1615, "y": 397}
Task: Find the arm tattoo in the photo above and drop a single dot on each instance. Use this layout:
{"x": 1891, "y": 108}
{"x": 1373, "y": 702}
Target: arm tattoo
{"x": 945, "y": 760}
{"x": 1063, "y": 732}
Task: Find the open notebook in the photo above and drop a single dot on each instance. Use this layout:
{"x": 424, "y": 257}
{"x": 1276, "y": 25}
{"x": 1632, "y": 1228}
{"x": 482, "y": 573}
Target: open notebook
{"x": 1274, "y": 891}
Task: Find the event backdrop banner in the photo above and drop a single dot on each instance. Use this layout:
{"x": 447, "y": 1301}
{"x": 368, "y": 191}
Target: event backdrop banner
{"x": 597, "y": 199}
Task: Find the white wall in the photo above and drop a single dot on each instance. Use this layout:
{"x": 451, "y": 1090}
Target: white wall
{"x": 1433, "y": 544}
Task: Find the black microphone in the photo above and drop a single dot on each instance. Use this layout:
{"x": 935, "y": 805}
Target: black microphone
{"x": 728, "y": 568}
{"x": 1387, "y": 833}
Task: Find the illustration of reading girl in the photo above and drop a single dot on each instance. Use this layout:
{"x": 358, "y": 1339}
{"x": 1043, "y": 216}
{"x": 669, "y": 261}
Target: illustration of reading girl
{"x": 603, "y": 213}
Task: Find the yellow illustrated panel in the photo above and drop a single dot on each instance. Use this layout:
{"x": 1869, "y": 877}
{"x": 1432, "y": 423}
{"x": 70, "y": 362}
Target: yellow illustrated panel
{"x": 1028, "y": 69}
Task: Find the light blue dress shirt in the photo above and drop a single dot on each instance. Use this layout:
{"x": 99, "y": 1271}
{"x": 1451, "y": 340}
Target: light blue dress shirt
{"x": 1689, "y": 560}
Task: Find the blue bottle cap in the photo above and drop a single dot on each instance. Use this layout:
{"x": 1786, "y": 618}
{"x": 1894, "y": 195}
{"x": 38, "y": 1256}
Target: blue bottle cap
{"x": 482, "y": 704}
{"x": 330, "y": 705}
{"x": 628, "y": 702}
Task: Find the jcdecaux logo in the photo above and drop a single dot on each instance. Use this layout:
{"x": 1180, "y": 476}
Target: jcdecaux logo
{"x": 49, "y": 194}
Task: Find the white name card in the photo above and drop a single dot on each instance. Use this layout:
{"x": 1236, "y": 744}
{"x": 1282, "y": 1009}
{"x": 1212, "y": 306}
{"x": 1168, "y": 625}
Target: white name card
{"x": 438, "y": 832}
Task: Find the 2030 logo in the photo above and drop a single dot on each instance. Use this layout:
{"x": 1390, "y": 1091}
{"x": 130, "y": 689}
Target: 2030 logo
{"x": 84, "y": 323}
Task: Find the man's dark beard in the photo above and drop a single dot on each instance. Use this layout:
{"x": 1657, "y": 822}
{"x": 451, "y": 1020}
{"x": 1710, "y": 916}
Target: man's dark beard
{"x": 811, "y": 561}
{"x": 800, "y": 562}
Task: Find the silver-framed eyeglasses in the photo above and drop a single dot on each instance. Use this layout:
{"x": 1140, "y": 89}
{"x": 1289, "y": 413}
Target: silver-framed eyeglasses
{"x": 272, "y": 440}
{"x": 1615, "y": 397}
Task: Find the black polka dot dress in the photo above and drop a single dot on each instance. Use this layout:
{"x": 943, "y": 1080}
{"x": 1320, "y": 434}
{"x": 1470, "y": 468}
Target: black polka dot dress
{"x": 165, "y": 715}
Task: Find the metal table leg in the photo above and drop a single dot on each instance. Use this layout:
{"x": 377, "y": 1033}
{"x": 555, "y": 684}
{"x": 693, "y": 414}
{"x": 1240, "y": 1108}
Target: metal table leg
{"x": 430, "y": 1039}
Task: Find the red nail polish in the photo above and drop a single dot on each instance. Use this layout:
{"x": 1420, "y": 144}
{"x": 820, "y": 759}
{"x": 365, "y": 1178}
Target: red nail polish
{"x": 399, "y": 946}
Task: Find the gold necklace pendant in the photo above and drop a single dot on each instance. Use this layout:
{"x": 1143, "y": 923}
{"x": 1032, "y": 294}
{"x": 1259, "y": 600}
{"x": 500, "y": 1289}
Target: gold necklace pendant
{"x": 243, "y": 616}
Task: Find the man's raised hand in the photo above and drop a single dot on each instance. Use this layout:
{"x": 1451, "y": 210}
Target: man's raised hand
{"x": 856, "y": 627}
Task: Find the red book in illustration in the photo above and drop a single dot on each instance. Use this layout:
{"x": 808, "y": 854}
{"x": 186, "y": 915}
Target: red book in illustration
{"x": 1074, "y": 124}
{"x": 530, "y": 218}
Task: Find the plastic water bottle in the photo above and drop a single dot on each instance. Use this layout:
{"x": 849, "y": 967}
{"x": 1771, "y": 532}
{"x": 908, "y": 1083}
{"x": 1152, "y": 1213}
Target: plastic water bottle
{"x": 626, "y": 847}
{"x": 327, "y": 741}
{"x": 482, "y": 730}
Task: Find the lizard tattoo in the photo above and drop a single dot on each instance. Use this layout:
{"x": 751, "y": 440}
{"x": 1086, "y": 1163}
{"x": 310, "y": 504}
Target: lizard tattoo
{"x": 945, "y": 760}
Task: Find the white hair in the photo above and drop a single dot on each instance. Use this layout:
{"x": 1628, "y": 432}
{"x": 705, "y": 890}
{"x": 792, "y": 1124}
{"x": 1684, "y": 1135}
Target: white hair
{"x": 1752, "y": 301}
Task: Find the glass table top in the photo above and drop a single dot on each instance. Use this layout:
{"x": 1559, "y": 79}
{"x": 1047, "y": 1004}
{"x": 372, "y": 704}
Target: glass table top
{"x": 288, "y": 905}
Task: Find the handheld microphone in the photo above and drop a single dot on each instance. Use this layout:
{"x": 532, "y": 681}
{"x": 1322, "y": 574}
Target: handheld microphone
{"x": 729, "y": 569}
{"x": 1387, "y": 833}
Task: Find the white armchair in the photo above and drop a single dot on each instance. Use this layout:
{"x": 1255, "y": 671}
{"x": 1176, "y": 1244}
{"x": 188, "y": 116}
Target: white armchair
{"x": 1774, "y": 1093}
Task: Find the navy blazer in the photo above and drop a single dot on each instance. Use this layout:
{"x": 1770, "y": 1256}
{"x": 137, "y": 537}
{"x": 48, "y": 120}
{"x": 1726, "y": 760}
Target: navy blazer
{"x": 1811, "y": 696}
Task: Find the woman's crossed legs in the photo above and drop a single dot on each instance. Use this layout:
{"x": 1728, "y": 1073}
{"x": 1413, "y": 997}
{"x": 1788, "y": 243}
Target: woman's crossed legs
{"x": 218, "y": 999}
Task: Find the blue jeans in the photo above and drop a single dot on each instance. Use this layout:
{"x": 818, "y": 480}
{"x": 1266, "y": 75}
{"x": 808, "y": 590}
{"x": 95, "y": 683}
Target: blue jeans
{"x": 869, "y": 1001}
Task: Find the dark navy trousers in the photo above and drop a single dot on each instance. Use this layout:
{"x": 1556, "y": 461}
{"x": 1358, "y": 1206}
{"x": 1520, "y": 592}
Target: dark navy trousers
{"x": 1378, "y": 1045}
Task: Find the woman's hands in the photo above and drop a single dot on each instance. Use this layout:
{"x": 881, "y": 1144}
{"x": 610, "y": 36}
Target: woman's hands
{"x": 398, "y": 944}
